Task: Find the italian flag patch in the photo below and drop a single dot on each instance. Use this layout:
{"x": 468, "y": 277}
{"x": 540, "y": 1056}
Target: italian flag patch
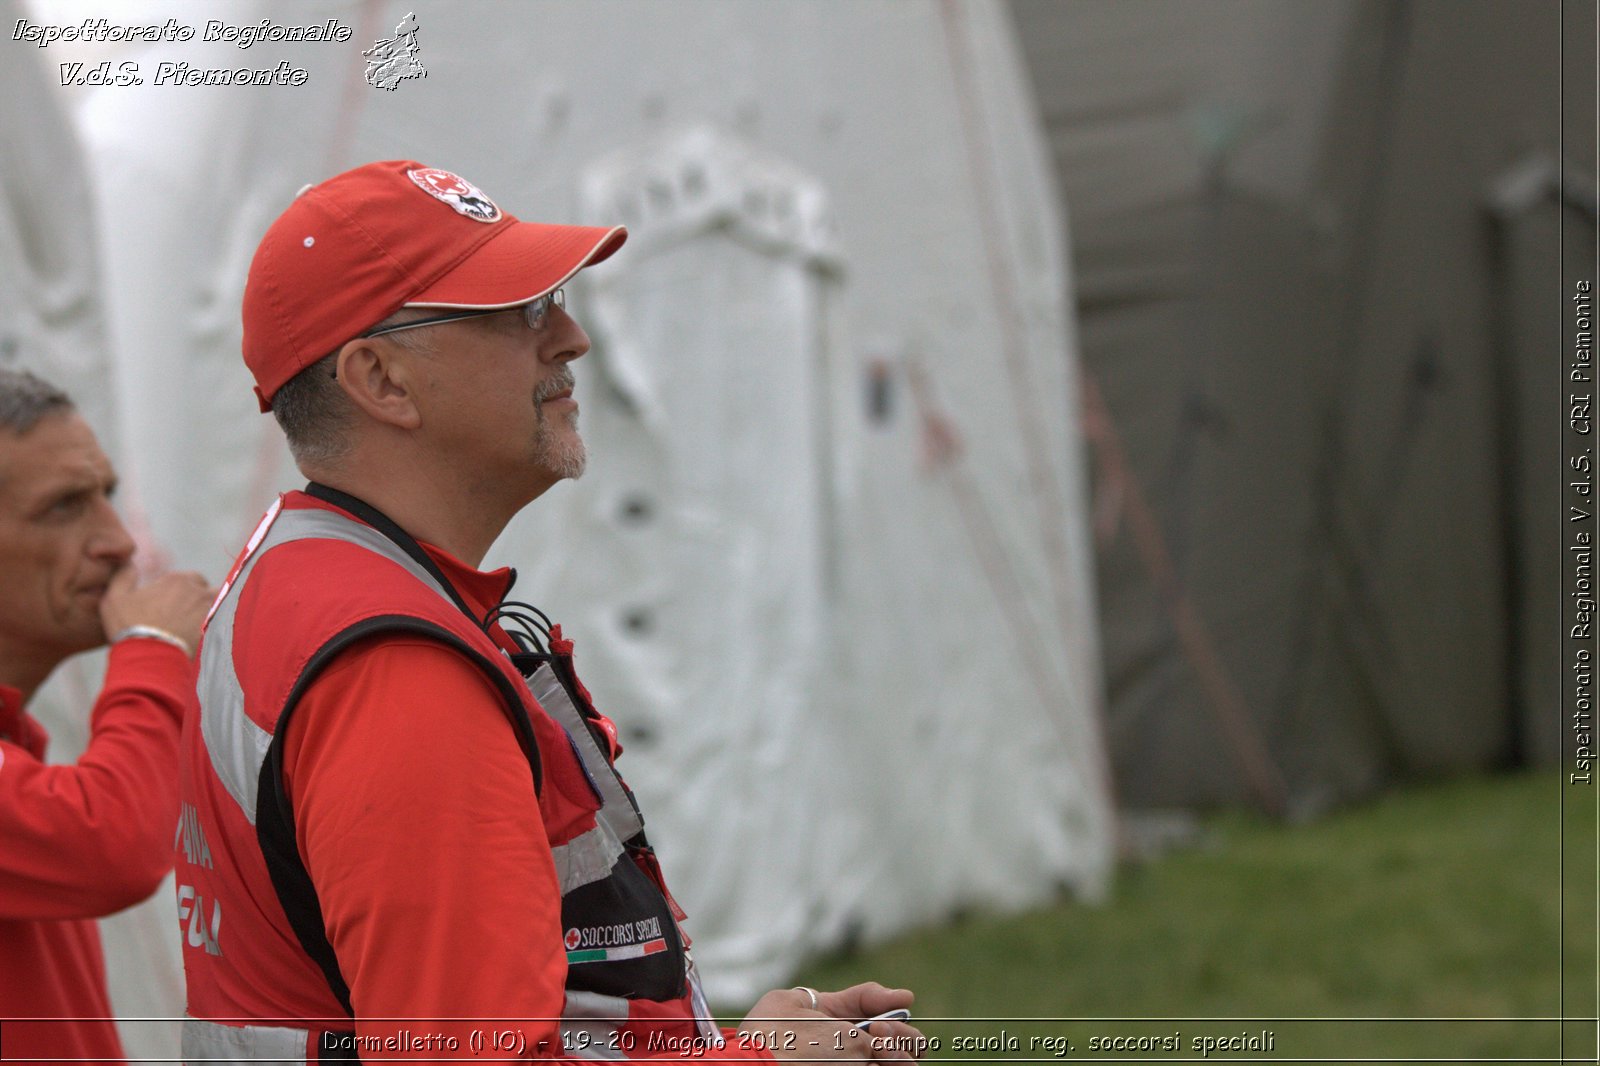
{"x": 628, "y": 951}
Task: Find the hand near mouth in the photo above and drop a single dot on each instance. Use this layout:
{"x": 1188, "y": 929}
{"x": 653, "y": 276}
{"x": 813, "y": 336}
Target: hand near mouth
{"x": 176, "y": 602}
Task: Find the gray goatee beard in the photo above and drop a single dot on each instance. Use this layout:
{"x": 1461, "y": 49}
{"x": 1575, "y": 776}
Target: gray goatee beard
{"x": 563, "y": 454}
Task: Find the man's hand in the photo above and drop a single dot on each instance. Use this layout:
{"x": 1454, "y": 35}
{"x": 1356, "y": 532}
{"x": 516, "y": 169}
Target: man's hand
{"x": 176, "y": 602}
{"x": 830, "y": 1033}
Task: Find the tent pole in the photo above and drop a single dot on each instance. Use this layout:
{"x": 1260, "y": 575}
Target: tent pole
{"x": 1227, "y": 705}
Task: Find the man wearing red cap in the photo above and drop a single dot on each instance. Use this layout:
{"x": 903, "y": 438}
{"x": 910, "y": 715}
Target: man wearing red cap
{"x": 79, "y": 841}
{"x": 410, "y": 836}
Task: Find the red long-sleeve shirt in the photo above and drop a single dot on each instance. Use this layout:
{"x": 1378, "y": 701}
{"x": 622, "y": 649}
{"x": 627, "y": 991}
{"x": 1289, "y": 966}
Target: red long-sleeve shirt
{"x": 81, "y": 841}
{"x": 417, "y": 822}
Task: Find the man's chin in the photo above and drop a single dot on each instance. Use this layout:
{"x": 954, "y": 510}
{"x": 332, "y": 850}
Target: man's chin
{"x": 565, "y": 459}
{"x": 572, "y": 469}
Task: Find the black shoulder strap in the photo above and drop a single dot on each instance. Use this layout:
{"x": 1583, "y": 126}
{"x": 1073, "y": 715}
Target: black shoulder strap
{"x": 275, "y": 813}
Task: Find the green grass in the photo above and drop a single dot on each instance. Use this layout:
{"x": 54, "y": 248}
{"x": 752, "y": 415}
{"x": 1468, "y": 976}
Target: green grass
{"x": 1437, "y": 902}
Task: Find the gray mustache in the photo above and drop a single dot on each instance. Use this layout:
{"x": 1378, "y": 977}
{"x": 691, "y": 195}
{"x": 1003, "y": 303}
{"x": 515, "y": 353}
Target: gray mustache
{"x": 550, "y": 386}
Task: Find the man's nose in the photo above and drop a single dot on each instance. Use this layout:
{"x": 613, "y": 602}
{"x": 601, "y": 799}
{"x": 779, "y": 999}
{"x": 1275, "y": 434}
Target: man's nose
{"x": 565, "y": 340}
{"x": 111, "y": 539}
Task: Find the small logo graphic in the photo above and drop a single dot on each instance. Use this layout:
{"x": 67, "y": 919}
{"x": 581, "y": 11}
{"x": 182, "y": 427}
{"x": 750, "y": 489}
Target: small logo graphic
{"x": 458, "y": 192}
{"x": 574, "y": 938}
{"x": 392, "y": 61}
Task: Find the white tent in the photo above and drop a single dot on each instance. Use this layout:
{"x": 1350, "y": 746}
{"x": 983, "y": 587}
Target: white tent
{"x": 830, "y": 568}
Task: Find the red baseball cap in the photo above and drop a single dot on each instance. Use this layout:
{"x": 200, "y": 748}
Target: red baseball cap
{"x": 352, "y": 251}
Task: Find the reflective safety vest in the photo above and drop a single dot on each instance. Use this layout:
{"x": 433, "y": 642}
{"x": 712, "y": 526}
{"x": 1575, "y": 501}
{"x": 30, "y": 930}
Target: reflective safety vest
{"x": 263, "y": 981}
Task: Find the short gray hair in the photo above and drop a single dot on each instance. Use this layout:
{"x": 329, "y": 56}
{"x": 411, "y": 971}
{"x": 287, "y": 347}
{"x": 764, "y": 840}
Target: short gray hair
{"x": 25, "y": 399}
{"x": 313, "y": 410}
{"x": 314, "y": 413}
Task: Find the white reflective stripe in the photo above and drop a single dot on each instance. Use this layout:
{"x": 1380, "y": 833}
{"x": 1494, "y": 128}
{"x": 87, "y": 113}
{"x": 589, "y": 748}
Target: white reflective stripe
{"x": 616, "y": 812}
{"x": 586, "y": 858}
{"x": 589, "y": 1021}
{"x": 325, "y": 525}
{"x": 236, "y": 745}
{"x": 213, "y": 1042}
{"x": 703, "y": 1019}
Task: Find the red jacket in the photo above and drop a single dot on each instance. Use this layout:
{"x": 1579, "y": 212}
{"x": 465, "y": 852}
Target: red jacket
{"x": 81, "y": 841}
{"x": 433, "y": 861}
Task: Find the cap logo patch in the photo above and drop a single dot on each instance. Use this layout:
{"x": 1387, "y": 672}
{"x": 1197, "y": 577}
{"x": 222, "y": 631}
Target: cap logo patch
{"x": 463, "y": 196}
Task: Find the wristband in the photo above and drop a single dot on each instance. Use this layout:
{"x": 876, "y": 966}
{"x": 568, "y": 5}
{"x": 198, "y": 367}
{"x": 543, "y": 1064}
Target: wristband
{"x": 154, "y": 633}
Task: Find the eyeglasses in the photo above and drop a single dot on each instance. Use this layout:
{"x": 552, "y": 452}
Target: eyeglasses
{"x": 535, "y": 315}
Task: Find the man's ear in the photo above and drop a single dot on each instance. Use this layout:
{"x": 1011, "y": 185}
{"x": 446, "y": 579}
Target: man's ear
{"x": 380, "y": 378}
